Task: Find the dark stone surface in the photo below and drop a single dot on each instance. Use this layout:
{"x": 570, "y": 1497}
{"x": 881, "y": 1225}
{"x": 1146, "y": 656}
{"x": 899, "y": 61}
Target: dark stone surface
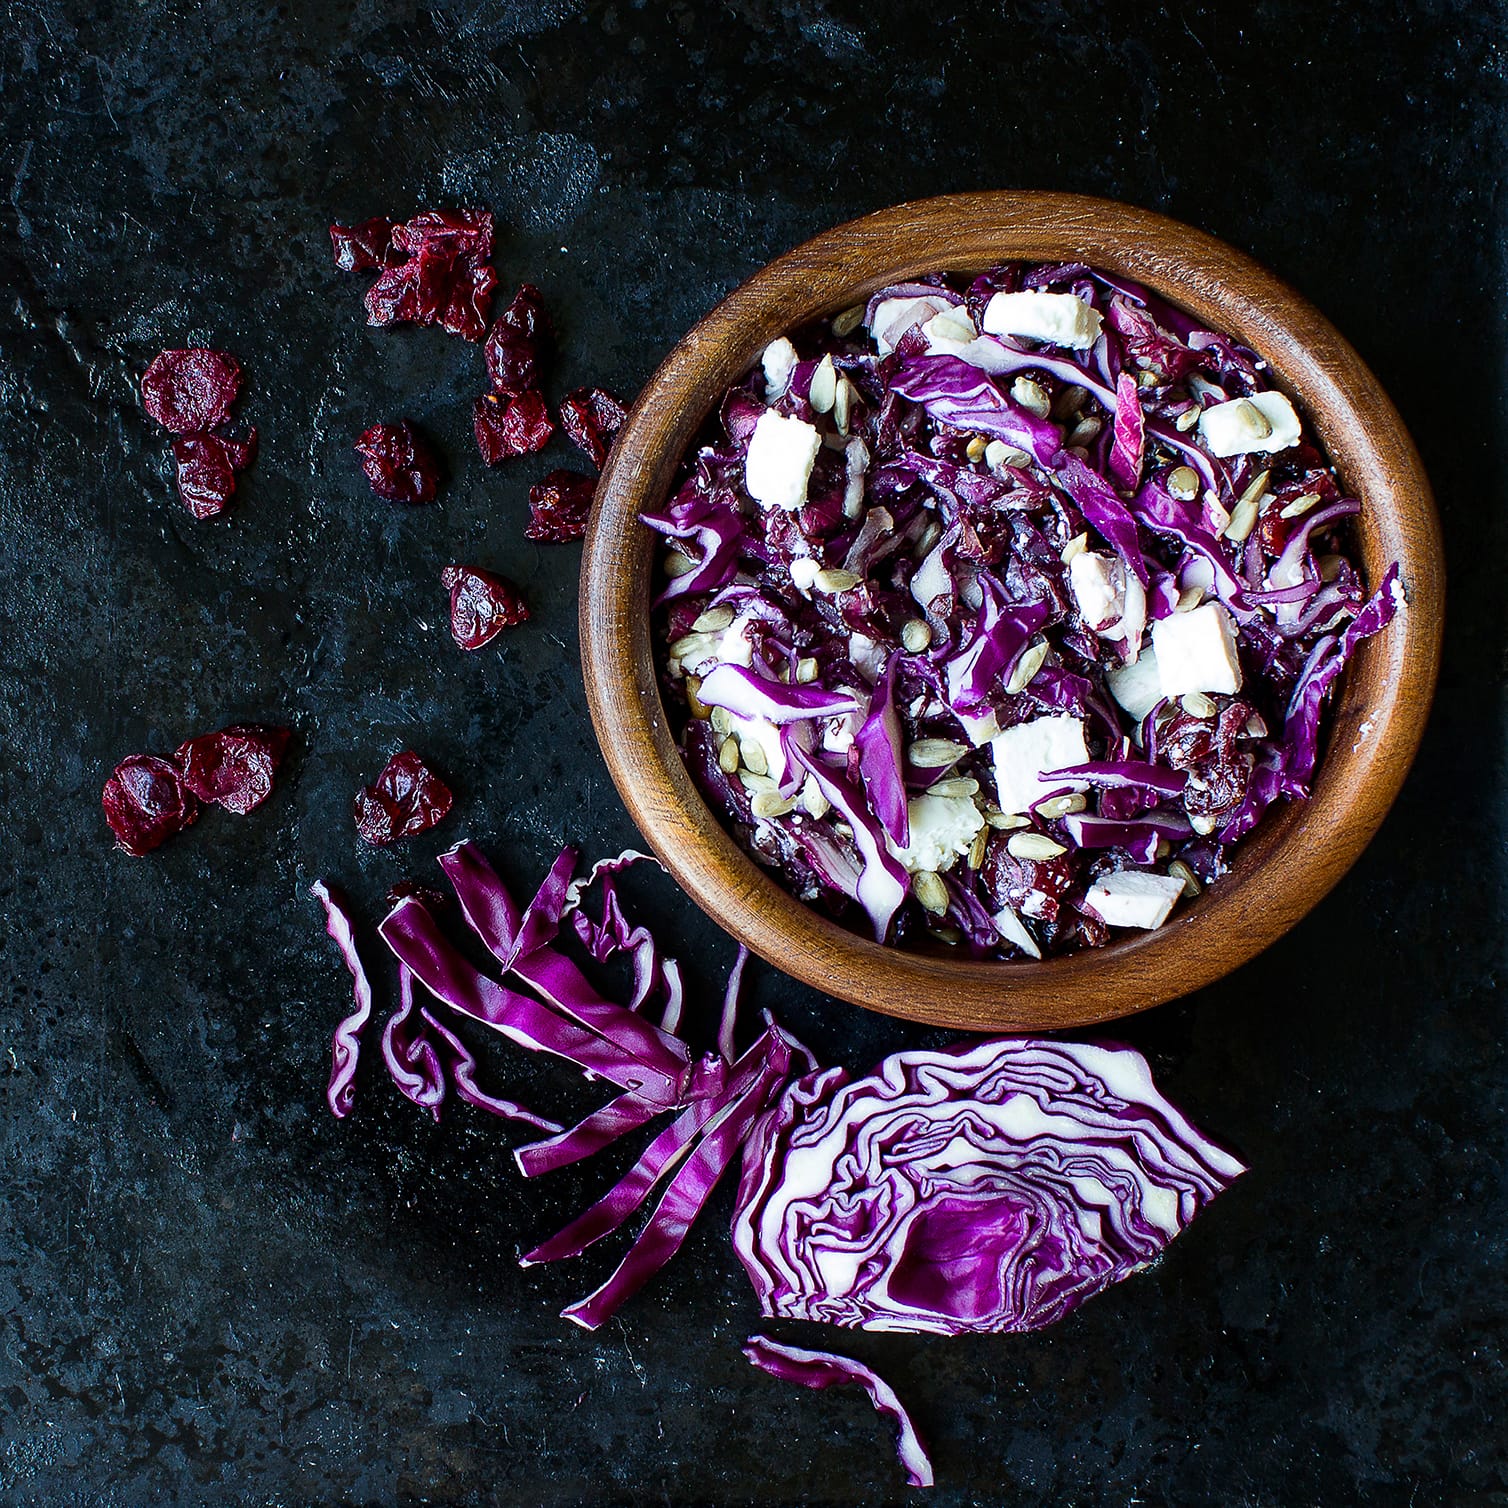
{"x": 209, "y": 1290}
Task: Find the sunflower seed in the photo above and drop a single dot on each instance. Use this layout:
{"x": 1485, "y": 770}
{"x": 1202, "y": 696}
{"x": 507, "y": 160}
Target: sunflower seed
{"x": 806, "y": 670}
{"x": 677, "y": 564}
{"x": 697, "y": 707}
{"x": 979, "y": 847}
{"x": 1033, "y": 846}
{"x": 1060, "y": 806}
{"x": 1003, "y": 822}
{"x": 1242, "y": 521}
{"x": 843, "y": 399}
{"x": 1085, "y": 431}
{"x": 976, "y": 447}
{"x": 727, "y": 756}
{"x": 1032, "y": 396}
{"x": 1027, "y": 667}
{"x": 928, "y": 537}
{"x": 935, "y": 753}
{"x": 1181, "y": 871}
{"x": 771, "y": 804}
{"x": 930, "y": 891}
{"x": 824, "y": 387}
{"x": 1188, "y": 418}
{"x": 833, "y": 581}
{"x": 915, "y": 635}
{"x": 1163, "y": 849}
{"x": 1256, "y": 726}
{"x": 959, "y": 785}
{"x": 754, "y": 784}
{"x": 1204, "y": 826}
{"x": 1330, "y": 567}
{"x": 1183, "y": 483}
{"x": 722, "y": 722}
{"x": 950, "y": 935}
{"x": 691, "y": 646}
{"x": 1075, "y": 546}
{"x": 1148, "y": 379}
{"x": 1189, "y": 599}
{"x": 1068, "y": 402}
{"x": 713, "y": 621}
{"x": 848, "y": 321}
{"x": 756, "y": 761}
{"x": 1255, "y": 488}
{"x": 1300, "y": 506}
{"x": 1197, "y": 704}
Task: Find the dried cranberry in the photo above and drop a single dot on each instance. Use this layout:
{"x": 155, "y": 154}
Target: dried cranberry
{"x": 591, "y": 416}
{"x": 407, "y": 798}
{"x": 481, "y": 605}
{"x": 235, "y": 766}
{"x": 207, "y": 467}
{"x": 445, "y": 279}
{"x": 146, "y": 802}
{"x": 1033, "y": 886}
{"x": 558, "y": 507}
{"x": 192, "y": 390}
{"x": 515, "y": 424}
{"x": 513, "y": 344}
{"x": 361, "y": 248}
{"x": 399, "y": 463}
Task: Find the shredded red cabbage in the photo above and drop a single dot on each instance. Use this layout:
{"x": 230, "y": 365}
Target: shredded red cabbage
{"x": 973, "y": 581}
{"x": 824, "y": 1369}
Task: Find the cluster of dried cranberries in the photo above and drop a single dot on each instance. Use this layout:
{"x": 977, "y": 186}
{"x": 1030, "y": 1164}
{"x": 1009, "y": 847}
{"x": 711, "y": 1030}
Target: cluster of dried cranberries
{"x": 189, "y": 393}
{"x": 147, "y": 798}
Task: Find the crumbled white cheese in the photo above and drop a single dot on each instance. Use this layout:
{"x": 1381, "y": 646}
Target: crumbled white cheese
{"x": 1022, "y": 753}
{"x": 1196, "y": 651}
{"x": 1265, "y": 421}
{"x": 779, "y": 463}
{"x": 1014, "y": 930}
{"x": 950, "y": 333}
{"x": 942, "y": 830}
{"x": 778, "y": 362}
{"x": 1063, "y": 319}
{"x": 735, "y": 648}
{"x": 1133, "y": 898}
{"x": 804, "y": 572}
{"x": 867, "y": 657}
{"x": 894, "y": 316}
{"x": 1137, "y": 686}
{"x": 1098, "y": 584}
{"x": 838, "y": 732}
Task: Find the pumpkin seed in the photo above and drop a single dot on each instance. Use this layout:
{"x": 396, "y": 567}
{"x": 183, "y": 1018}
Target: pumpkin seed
{"x": 1032, "y": 396}
{"x": 833, "y": 581}
{"x": 1027, "y": 667}
{"x": 677, "y": 564}
{"x": 1033, "y": 846}
{"x": 1181, "y": 871}
{"x": 935, "y": 753}
{"x": 1330, "y": 567}
{"x": 997, "y": 454}
{"x": 929, "y": 889}
{"x": 1183, "y": 483}
{"x": 915, "y": 635}
{"x": 713, "y": 621}
{"x": 1188, "y": 418}
{"x": 848, "y": 321}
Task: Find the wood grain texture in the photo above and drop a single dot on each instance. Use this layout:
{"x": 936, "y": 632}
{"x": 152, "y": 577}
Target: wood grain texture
{"x": 1292, "y": 860}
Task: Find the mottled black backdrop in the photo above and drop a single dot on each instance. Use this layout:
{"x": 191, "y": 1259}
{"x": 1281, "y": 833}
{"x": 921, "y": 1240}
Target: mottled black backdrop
{"x": 209, "y": 1290}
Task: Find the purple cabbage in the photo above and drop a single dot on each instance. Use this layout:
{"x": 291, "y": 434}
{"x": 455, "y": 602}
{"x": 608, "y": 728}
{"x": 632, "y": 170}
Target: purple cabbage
{"x": 824, "y": 1369}
{"x": 946, "y": 1192}
{"x": 956, "y": 393}
{"x": 345, "y": 1049}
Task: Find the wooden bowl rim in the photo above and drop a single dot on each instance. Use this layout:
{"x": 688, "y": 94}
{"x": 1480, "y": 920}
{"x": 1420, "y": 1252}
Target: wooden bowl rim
{"x": 1376, "y": 720}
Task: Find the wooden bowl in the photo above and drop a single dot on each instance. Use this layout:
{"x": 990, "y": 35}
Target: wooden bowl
{"x": 1297, "y": 853}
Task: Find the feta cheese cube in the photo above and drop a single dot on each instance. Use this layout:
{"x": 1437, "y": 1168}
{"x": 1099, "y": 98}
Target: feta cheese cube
{"x": 942, "y": 830}
{"x": 1265, "y": 421}
{"x": 1062, "y": 319}
{"x": 1196, "y": 651}
{"x": 1137, "y": 686}
{"x": 1022, "y": 753}
{"x": 894, "y": 316}
{"x": 1133, "y": 898}
{"x": 778, "y": 362}
{"x": 779, "y": 463}
{"x": 1098, "y": 586}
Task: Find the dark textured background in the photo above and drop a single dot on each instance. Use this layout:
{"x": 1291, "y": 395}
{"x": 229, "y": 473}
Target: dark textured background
{"x": 211, "y": 1291}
